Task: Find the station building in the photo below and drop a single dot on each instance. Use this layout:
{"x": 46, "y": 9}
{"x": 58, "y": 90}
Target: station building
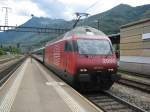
{"x": 135, "y": 47}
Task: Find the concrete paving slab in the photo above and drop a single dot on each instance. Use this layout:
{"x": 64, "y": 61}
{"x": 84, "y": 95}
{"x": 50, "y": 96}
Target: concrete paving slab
{"x": 36, "y": 89}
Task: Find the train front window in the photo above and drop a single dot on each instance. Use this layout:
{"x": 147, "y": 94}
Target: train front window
{"x": 101, "y": 47}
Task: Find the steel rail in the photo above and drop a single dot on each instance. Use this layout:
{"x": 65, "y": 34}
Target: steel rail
{"x": 144, "y": 87}
{"x": 111, "y": 103}
{"x": 6, "y": 73}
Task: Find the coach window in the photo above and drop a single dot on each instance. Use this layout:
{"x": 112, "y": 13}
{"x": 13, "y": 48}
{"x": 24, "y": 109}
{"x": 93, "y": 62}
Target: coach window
{"x": 68, "y": 46}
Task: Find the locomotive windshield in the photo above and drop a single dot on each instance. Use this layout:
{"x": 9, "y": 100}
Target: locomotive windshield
{"x": 89, "y": 46}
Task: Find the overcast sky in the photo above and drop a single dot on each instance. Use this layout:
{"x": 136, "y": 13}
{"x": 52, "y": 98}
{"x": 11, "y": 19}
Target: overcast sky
{"x": 21, "y": 10}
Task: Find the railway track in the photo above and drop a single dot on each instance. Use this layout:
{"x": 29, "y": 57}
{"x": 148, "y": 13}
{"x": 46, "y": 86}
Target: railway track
{"x": 110, "y": 103}
{"x": 6, "y": 73}
{"x": 6, "y": 60}
{"x": 135, "y": 74}
{"x": 134, "y": 80}
{"x": 145, "y": 87}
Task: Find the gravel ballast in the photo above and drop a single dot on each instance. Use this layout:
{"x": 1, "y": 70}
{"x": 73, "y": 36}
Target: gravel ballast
{"x": 132, "y": 95}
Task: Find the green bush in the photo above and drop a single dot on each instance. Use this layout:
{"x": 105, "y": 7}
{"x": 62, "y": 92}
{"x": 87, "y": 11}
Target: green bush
{"x": 2, "y": 51}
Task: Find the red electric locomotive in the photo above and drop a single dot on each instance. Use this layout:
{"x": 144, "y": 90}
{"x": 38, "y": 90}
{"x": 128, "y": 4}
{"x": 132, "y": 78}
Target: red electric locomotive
{"x": 83, "y": 56}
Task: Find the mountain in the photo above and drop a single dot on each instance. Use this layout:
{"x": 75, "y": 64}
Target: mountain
{"x": 109, "y": 22}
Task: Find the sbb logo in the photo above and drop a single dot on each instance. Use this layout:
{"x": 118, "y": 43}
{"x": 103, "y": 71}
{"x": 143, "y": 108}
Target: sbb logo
{"x": 108, "y": 61}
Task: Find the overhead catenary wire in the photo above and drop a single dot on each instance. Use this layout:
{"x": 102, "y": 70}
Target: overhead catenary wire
{"x": 79, "y": 15}
{"x": 95, "y": 3}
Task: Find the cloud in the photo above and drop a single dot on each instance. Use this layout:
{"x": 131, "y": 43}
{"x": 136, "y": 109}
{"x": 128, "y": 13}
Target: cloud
{"x": 62, "y": 8}
{"x": 20, "y": 11}
{"x": 52, "y": 8}
{"x": 26, "y": 8}
{"x": 65, "y": 9}
{"x": 77, "y": 2}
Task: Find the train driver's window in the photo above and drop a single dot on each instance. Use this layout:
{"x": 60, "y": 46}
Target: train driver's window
{"x": 68, "y": 46}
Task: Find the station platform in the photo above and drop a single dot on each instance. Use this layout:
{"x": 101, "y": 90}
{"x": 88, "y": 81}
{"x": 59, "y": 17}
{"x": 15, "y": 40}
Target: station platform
{"x": 33, "y": 88}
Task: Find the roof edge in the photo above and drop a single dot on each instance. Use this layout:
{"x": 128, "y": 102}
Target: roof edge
{"x": 135, "y": 23}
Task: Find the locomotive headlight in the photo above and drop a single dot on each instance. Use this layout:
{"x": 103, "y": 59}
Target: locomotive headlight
{"x": 111, "y": 70}
{"x": 83, "y": 70}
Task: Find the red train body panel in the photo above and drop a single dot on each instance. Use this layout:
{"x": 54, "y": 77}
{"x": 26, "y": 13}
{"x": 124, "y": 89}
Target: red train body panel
{"x": 83, "y": 58}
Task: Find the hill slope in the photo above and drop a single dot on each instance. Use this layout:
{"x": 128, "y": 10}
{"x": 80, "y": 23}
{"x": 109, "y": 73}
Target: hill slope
{"x": 111, "y": 20}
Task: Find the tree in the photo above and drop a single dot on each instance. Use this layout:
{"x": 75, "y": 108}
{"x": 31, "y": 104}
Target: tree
{"x": 1, "y": 51}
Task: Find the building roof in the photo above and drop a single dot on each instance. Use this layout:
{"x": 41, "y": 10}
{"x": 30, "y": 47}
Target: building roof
{"x": 114, "y": 35}
{"x": 136, "y": 23}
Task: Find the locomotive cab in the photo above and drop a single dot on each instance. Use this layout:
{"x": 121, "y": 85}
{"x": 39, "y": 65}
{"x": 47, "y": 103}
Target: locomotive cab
{"x": 83, "y": 56}
{"x": 96, "y": 62}
{"x": 93, "y": 58}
